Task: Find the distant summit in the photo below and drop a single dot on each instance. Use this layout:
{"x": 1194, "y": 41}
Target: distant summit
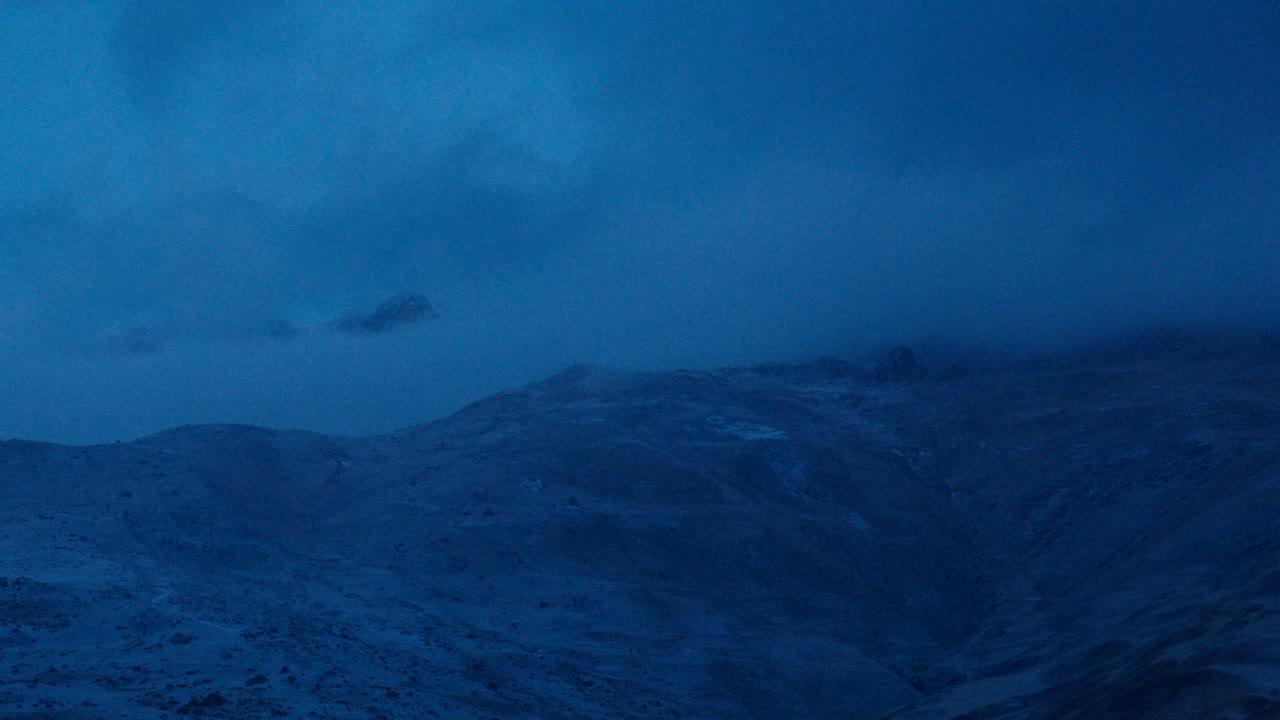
{"x": 900, "y": 365}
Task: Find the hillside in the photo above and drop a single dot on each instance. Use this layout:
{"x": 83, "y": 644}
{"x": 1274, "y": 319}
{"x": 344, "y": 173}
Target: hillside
{"x": 1090, "y": 535}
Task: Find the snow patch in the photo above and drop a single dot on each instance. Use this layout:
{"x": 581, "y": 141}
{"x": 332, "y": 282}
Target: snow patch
{"x": 743, "y": 430}
{"x": 857, "y": 521}
{"x": 793, "y": 476}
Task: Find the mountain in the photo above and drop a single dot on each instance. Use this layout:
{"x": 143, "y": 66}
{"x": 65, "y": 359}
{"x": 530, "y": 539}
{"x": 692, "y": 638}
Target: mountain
{"x": 1088, "y": 535}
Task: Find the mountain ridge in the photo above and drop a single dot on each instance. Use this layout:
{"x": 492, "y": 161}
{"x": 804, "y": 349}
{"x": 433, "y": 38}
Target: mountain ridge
{"x": 1085, "y": 534}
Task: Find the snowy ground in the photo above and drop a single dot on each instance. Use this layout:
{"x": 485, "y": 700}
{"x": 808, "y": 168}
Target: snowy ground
{"x": 1089, "y": 536}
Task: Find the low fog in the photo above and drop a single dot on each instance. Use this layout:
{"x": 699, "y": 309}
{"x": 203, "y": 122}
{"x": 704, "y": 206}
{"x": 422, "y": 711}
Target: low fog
{"x": 351, "y": 217}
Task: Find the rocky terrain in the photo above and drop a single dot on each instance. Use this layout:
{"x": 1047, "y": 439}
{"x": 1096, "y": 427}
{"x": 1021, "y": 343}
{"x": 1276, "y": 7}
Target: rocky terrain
{"x": 1090, "y": 535}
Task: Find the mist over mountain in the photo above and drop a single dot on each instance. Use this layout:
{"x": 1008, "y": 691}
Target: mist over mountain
{"x": 1083, "y": 535}
{"x": 651, "y": 186}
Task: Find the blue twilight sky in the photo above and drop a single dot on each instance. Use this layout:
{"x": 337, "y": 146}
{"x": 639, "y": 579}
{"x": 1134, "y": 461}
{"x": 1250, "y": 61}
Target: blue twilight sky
{"x": 192, "y": 191}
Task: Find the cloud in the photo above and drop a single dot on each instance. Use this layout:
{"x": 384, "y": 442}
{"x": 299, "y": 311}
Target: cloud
{"x": 647, "y": 185}
{"x": 297, "y": 103}
{"x": 134, "y": 340}
{"x": 159, "y": 42}
{"x": 393, "y": 313}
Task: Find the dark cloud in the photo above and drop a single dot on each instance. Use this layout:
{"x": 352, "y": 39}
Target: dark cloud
{"x": 644, "y": 184}
{"x": 159, "y": 43}
{"x": 469, "y": 205}
{"x": 1136, "y": 103}
{"x": 390, "y": 314}
{"x": 135, "y": 340}
{"x": 394, "y": 313}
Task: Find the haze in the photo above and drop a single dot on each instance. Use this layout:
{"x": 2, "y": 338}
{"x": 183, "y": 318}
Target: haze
{"x": 195, "y": 195}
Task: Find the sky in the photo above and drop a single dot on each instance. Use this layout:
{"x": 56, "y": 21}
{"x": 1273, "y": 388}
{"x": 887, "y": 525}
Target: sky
{"x": 195, "y": 195}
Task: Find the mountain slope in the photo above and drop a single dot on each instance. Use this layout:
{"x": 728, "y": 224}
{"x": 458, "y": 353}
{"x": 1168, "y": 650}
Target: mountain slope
{"x": 1085, "y": 536}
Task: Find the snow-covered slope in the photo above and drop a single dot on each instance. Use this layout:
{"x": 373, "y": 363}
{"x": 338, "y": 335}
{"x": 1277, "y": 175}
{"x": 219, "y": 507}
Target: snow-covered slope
{"x": 1093, "y": 536}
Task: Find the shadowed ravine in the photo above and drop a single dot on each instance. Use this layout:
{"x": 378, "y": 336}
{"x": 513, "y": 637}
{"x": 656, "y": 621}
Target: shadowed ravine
{"x": 1091, "y": 535}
